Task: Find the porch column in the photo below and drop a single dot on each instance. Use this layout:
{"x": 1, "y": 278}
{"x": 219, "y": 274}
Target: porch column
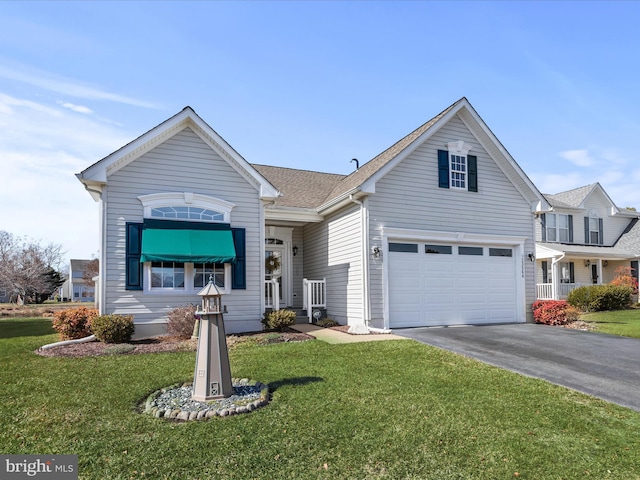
{"x": 554, "y": 278}
{"x": 600, "y": 271}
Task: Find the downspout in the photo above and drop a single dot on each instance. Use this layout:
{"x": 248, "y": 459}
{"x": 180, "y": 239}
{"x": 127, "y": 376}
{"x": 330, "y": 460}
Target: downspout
{"x": 364, "y": 327}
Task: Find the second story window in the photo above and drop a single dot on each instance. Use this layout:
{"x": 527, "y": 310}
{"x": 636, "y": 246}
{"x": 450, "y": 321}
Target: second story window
{"x": 593, "y": 231}
{"x": 557, "y": 227}
{"x": 458, "y": 171}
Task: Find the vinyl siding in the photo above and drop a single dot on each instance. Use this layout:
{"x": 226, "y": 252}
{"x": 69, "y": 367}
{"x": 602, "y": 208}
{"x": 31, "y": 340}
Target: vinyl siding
{"x": 409, "y": 197}
{"x": 612, "y": 227}
{"x": 183, "y": 163}
{"x": 333, "y": 249}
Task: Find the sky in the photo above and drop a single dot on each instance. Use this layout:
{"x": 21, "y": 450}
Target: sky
{"x": 308, "y": 85}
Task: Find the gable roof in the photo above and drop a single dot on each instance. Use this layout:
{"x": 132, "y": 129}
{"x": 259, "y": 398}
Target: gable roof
{"x": 367, "y": 170}
{"x": 95, "y": 176}
{"x": 576, "y": 198}
{"x": 321, "y": 191}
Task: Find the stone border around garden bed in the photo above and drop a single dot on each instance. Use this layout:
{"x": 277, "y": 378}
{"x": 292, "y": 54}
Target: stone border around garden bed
{"x": 248, "y": 396}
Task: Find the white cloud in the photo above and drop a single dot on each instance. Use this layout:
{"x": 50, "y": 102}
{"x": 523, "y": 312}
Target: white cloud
{"x": 68, "y": 87}
{"x": 41, "y": 149}
{"x": 581, "y": 158}
{"x": 75, "y": 108}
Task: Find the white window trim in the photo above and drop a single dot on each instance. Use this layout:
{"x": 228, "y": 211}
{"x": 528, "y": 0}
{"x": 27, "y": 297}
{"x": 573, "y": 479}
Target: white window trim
{"x": 556, "y": 227}
{"x": 185, "y": 199}
{"x": 461, "y": 149}
{"x": 189, "y": 288}
{"x": 600, "y": 241}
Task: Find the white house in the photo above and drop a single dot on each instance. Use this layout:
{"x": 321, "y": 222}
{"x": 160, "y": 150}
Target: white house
{"x": 436, "y": 230}
{"x": 582, "y": 240}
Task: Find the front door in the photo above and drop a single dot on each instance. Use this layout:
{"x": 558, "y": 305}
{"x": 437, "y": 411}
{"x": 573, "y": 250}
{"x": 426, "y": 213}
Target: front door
{"x": 274, "y": 268}
{"x": 594, "y": 273}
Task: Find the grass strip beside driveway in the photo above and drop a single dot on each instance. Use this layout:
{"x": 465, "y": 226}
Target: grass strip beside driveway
{"x": 394, "y": 409}
{"x": 618, "y": 322}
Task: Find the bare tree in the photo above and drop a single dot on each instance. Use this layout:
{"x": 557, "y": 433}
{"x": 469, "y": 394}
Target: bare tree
{"x": 28, "y": 269}
{"x": 91, "y": 270}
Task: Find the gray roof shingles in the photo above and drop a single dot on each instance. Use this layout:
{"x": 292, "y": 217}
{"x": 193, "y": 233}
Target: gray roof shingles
{"x": 571, "y": 198}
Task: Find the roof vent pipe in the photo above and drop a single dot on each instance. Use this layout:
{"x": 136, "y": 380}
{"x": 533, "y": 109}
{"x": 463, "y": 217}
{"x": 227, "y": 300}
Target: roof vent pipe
{"x": 357, "y": 163}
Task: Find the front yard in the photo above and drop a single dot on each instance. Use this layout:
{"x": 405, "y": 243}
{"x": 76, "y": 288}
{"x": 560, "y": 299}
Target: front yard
{"x": 393, "y": 409}
{"x": 617, "y": 322}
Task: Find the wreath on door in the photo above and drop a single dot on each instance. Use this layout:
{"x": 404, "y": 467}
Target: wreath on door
{"x": 272, "y": 263}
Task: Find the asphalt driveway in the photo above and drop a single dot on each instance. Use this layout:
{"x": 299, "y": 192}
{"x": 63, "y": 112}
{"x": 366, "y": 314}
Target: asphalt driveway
{"x": 605, "y": 366}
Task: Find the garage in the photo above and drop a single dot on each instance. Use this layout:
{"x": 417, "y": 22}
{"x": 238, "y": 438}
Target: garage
{"x": 451, "y": 284}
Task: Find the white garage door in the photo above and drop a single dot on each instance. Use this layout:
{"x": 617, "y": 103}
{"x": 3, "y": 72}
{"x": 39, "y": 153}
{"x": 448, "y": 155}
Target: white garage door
{"x": 451, "y": 284}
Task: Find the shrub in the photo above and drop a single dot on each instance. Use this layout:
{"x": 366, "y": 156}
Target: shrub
{"x": 113, "y": 328}
{"x": 624, "y": 277}
{"x": 181, "y": 321}
{"x": 72, "y": 323}
{"x": 279, "y": 320}
{"x": 554, "y": 312}
{"x": 327, "y": 323}
{"x": 597, "y": 298}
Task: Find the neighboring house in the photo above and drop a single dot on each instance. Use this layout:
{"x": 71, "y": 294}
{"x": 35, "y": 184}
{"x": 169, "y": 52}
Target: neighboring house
{"x": 583, "y": 240}
{"x": 76, "y": 288}
{"x": 436, "y": 230}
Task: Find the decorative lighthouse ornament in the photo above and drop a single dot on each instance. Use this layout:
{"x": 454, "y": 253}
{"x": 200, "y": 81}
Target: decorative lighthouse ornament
{"x": 212, "y": 377}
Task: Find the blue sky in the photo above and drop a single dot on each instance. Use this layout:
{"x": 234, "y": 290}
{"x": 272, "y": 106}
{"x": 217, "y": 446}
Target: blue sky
{"x": 308, "y": 85}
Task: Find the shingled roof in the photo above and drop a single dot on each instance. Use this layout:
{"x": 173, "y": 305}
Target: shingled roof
{"x": 299, "y": 188}
{"x": 358, "y": 177}
{"x": 571, "y": 198}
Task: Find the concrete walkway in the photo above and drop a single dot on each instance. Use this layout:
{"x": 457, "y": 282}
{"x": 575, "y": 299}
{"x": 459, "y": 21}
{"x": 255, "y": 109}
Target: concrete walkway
{"x": 335, "y": 337}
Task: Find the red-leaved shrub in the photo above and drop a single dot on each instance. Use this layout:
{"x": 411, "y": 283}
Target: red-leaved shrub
{"x": 554, "y": 312}
{"x": 73, "y": 323}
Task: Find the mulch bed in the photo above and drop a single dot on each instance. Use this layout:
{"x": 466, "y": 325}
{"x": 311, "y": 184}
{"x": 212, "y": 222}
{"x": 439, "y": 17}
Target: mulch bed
{"x": 164, "y": 344}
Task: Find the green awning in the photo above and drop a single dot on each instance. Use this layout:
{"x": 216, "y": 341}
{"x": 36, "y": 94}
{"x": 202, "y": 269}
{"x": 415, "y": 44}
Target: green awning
{"x": 187, "y": 245}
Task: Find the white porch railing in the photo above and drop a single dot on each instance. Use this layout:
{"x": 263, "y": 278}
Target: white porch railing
{"x": 313, "y": 295}
{"x": 545, "y": 290}
{"x": 272, "y": 294}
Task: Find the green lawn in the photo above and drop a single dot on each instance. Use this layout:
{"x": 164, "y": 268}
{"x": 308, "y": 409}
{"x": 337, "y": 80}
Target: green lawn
{"x": 393, "y": 409}
{"x": 619, "y": 322}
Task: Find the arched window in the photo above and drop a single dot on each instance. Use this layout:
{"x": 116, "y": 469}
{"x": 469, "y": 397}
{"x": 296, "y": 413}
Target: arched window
{"x": 181, "y": 259}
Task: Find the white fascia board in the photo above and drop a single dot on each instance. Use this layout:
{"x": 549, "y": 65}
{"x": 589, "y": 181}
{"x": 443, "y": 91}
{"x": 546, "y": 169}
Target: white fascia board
{"x": 451, "y": 237}
{"x": 149, "y": 140}
{"x": 369, "y": 186}
{"x": 339, "y": 202}
{"x": 505, "y": 157}
{"x": 292, "y": 214}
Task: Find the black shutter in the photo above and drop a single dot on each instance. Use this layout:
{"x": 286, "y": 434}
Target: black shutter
{"x": 545, "y": 271}
{"x": 239, "y": 269}
{"x": 634, "y": 269}
{"x": 570, "y": 228}
{"x": 572, "y": 278}
{"x": 133, "y": 250}
{"x": 472, "y": 163}
{"x": 543, "y": 221}
{"x": 586, "y": 231}
{"x": 443, "y": 169}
